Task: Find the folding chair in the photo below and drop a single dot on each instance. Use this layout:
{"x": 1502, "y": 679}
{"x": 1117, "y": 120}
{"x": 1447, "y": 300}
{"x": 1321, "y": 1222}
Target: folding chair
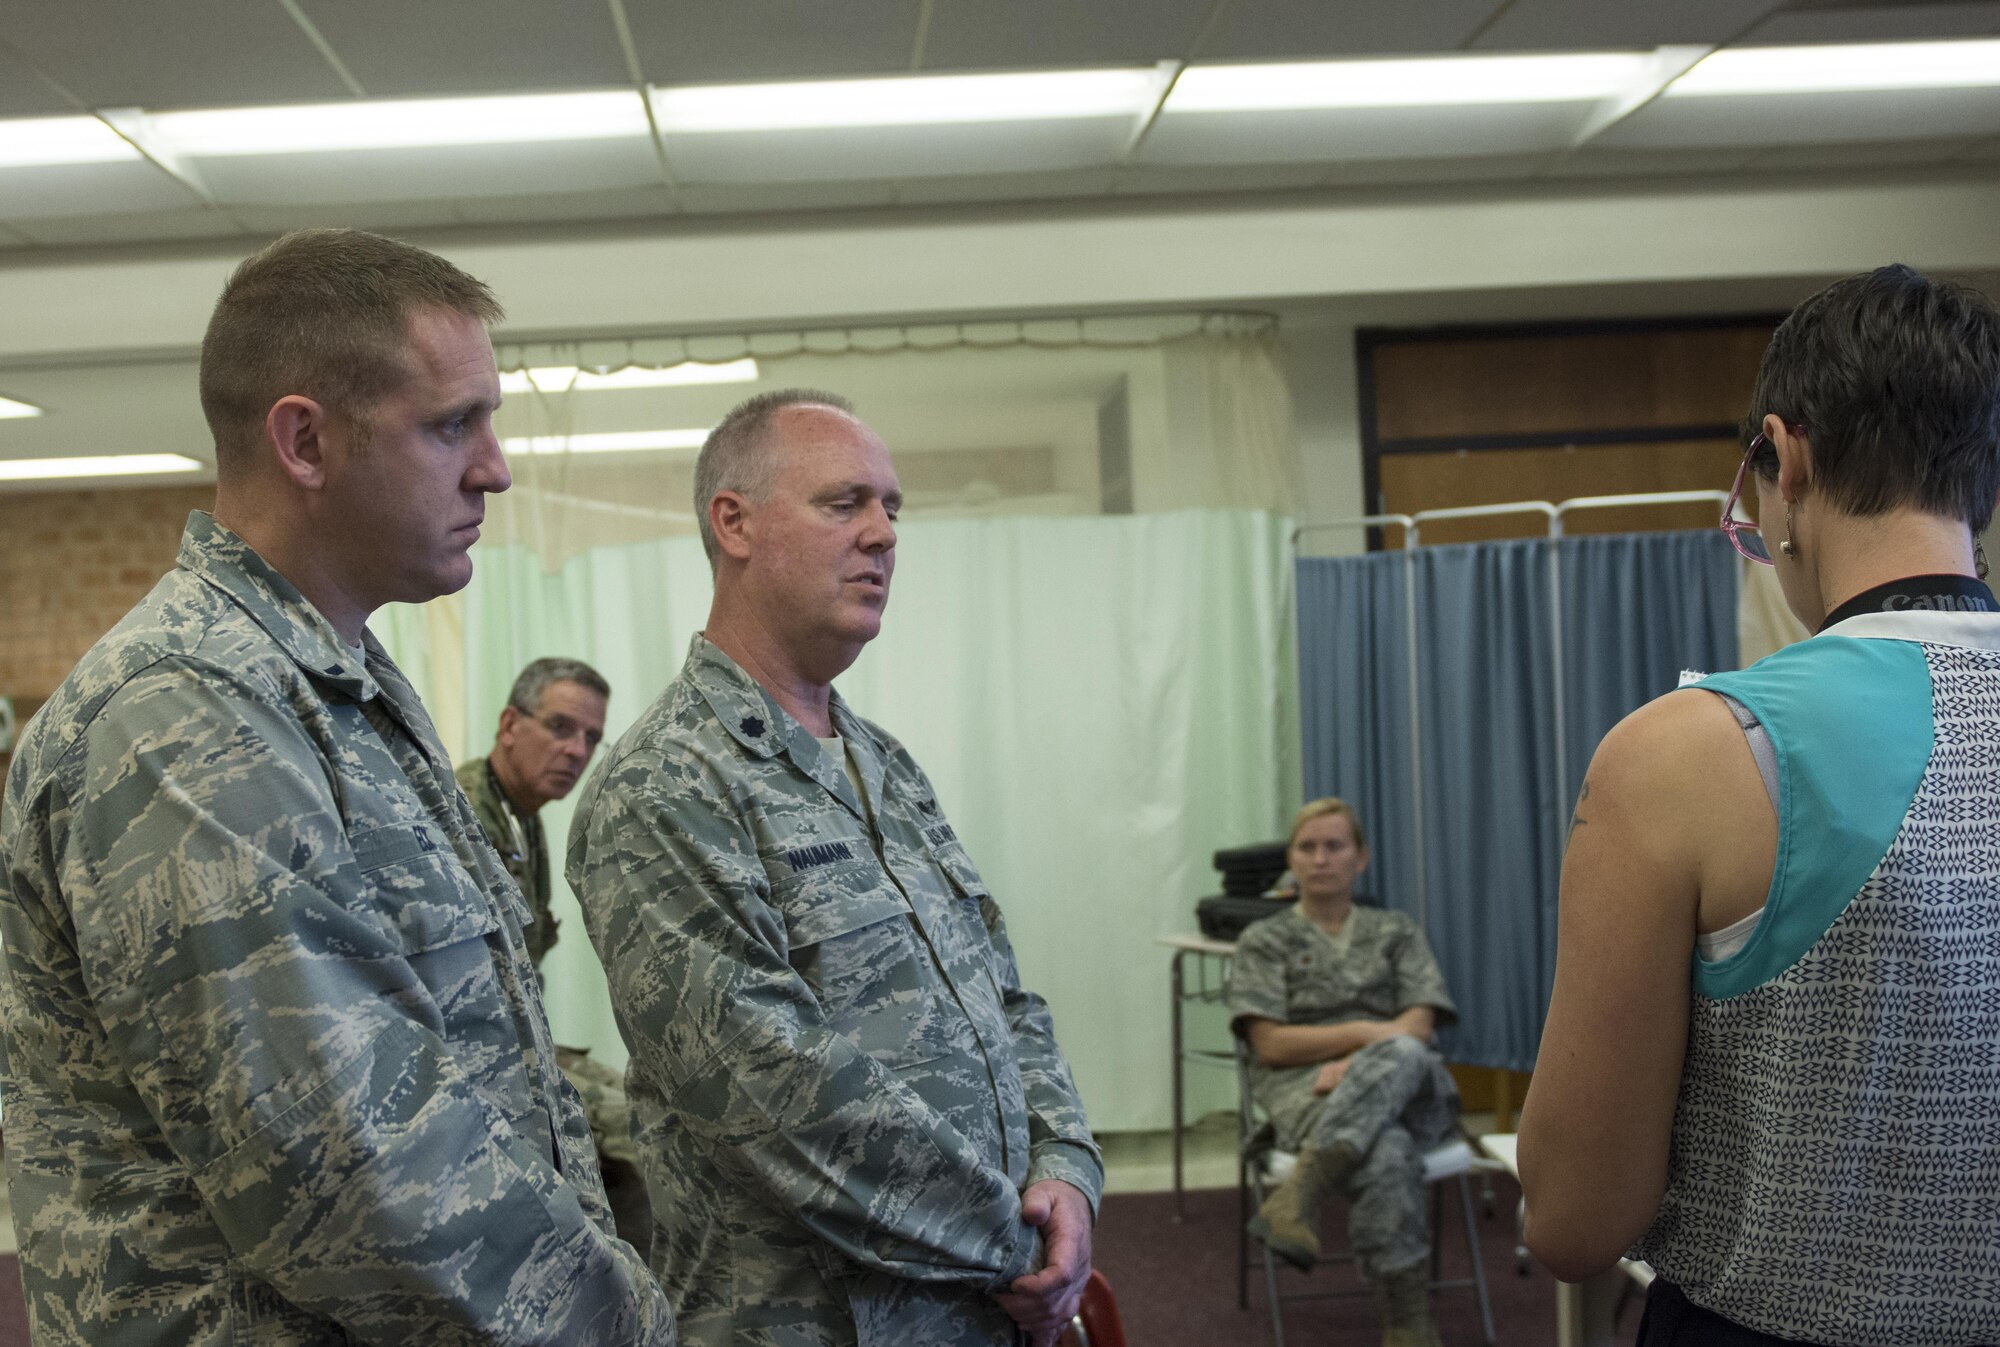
{"x": 1096, "y": 1323}
{"x": 1260, "y": 1164}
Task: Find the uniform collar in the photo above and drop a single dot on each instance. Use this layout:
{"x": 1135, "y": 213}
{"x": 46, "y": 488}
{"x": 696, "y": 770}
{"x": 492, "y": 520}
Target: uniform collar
{"x": 231, "y": 565}
{"x": 765, "y": 729}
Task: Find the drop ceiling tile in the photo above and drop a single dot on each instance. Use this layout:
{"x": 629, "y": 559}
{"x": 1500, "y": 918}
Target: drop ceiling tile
{"x": 1308, "y": 29}
{"x": 187, "y": 54}
{"x": 897, "y": 151}
{"x": 623, "y": 203}
{"x": 1867, "y": 154}
{"x": 755, "y": 198}
{"x": 23, "y": 94}
{"x": 1597, "y": 161}
{"x": 1008, "y": 187}
{"x": 1032, "y": 34}
{"x": 1876, "y": 23}
{"x": 1564, "y": 25}
{"x": 355, "y": 176}
{"x": 373, "y": 215}
{"x": 751, "y": 41}
{"x": 88, "y": 189}
{"x": 153, "y": 226}
{"x": 1799, "y": 119}
{"x": 397, "y": 49}
{"x": 1207, "y": 179}
{"x": 1326, "y": 135}
{"x": 1417, "y": 172}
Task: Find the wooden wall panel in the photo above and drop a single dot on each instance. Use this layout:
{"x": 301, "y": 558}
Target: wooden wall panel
{"x": 1497, "y": 385}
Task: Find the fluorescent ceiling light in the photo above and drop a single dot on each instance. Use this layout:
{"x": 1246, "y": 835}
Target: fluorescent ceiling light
{"x": 561, "y": 378}
{"x": 1417, "y": 82}
{"x": 30, "y": 142}
{"x": 111, "y": 465}
{"x": 389, "y": 124}
{"x": 9, "y": 409}
{"x": 908, "y": 100}
{"x": 1845, "y": 68}
{"x": 619, "y": 441}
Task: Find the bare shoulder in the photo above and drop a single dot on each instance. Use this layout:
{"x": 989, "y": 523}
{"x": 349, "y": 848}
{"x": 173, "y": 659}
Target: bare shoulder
{"x": 1669, "y": 780}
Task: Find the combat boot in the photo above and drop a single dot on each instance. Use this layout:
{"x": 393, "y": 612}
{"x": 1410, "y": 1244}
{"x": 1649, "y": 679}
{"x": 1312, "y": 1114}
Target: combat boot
{"x": 1405, "y": 1301}
{"x": 1288, "y": 1222}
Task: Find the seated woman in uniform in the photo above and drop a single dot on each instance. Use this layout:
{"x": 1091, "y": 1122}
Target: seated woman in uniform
{"x": 1338, "y": 1004}
{"x": 1770, "y": 1064}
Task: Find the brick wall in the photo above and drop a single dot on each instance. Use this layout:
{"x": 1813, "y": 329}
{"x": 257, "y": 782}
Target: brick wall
{"x": 71, "y": 564}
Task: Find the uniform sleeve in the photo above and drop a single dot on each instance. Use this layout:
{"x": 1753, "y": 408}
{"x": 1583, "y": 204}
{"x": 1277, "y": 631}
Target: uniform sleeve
{"x": 677, "y": 903}
{"x": 1059, "y": 1140}
{"x": 1419, "y": 981}
{"x": 1257, "y": 978}
{"x": 281, "y": 1013}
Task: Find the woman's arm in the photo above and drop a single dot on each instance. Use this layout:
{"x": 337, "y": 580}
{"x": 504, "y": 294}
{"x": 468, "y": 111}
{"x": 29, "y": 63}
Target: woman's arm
{"x": 1671, "y": 797}
{"x": 1304, "y": 1044}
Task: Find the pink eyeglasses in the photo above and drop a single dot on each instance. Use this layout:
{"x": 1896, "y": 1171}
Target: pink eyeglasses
{"x": 1743, "y": 534}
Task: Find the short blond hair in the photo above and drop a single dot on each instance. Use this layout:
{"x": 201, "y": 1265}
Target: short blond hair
{"x": 1320, "y": 808}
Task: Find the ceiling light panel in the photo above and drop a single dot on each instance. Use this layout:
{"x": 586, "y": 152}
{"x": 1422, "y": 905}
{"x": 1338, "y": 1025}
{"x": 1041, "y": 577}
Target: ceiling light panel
{"x": 120, "y": 465}
{"x": 401, "y": 124}
{"x": 920, "y": 100}
{"x": 1445, "y": 81}
{"x": 1844, "y": 68}
{"x": 564, "y": 378}
{"x": 32, "y": 142}
{"x": 12, "y": 410}
{"x": 605, "y": 442}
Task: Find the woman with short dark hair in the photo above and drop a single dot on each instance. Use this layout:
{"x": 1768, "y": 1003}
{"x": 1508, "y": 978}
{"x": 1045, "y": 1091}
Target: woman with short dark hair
{"x": 1771, "y": 1066}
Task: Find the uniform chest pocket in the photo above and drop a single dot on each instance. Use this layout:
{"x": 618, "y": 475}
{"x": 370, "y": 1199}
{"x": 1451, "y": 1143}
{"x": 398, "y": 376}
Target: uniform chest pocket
{"x": 853, "y": 943}
{"x": 421, "y": 888}
{"x": 443, "y": 924}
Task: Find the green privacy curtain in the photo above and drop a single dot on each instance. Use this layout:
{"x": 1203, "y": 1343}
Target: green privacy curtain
{"x": 1101, "y": 702}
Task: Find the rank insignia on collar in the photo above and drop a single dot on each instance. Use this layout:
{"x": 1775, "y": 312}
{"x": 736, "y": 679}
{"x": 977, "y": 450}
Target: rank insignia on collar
{"x": 927, "y": 806}
{"x": 753, "y": 726}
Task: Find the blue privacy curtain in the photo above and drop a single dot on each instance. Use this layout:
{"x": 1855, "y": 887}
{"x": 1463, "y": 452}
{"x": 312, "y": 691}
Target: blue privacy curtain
{"x": 1486, "y": 770}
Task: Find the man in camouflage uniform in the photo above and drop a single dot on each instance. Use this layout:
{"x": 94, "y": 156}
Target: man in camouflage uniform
{"x": 275, "y": 1060}
{"x": 857, "y": 1126}
{"x": 1338, "y": 1004}
{"x": 549, "y": 730}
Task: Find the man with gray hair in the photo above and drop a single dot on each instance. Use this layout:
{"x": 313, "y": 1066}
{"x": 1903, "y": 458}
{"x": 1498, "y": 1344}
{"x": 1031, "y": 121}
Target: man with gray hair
{"x": 549, "y": 730}
{"x": 276, "y": 1065}
{"x": 867, "y": 1131}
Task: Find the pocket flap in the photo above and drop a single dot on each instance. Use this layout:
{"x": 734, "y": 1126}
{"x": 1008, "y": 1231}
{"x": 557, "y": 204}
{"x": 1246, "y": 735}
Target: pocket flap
{"x": 421, "y": 887}
{"x": 834, "y": 911}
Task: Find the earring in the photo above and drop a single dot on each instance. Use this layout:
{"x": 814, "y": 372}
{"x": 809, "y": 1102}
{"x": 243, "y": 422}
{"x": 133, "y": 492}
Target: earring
{"x": 1786, "y": 546}
{"x": 1979, "y": 559}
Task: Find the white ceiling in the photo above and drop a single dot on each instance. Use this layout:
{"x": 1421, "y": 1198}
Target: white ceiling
{"x": 64, "y": 56}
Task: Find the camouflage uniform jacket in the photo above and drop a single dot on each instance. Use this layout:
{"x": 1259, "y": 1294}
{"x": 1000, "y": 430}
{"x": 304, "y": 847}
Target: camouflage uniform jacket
{"x": 276, "y": 1067}
{"x": 839, "y": 1087}
{"x": 525, "y": 853}
{"x": 1288, "y": 969}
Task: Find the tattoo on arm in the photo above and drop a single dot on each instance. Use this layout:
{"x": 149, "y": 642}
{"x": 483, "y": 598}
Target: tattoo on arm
{"x": 1577, "y": 820}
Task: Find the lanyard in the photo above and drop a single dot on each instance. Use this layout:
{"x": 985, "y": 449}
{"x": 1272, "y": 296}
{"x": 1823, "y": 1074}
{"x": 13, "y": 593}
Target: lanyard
{"x": 1919, "y": 593}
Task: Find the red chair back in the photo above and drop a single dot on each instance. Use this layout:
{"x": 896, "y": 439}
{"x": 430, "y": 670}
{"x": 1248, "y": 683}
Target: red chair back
{"x": 1099, "y": 1313}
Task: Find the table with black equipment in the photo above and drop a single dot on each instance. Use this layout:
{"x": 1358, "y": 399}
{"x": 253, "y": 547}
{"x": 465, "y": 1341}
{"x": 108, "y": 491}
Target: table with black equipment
{"x": 1211, "y": 984}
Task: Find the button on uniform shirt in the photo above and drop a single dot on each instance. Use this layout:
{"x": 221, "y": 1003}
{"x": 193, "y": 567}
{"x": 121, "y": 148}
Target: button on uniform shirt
{"x": 1287, "y": 968}
{"x": 276, "y": 1065}
{"x": 839, "y": 1086}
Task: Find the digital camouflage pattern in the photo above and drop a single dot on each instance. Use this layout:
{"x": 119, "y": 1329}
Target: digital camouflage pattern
{"x": 1395, "y": 1101}
{"x": 526, "y": 854}
{"x": 839, "y": 1087}
{"x": 601, "y": 1088}
{"x": 276, "y": 1066}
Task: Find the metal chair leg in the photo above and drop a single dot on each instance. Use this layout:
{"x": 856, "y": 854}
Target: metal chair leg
{"x": 1478, "y": 1262}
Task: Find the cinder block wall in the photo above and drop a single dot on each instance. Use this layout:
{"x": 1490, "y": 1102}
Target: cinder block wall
{"x": 71, "y": 564}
